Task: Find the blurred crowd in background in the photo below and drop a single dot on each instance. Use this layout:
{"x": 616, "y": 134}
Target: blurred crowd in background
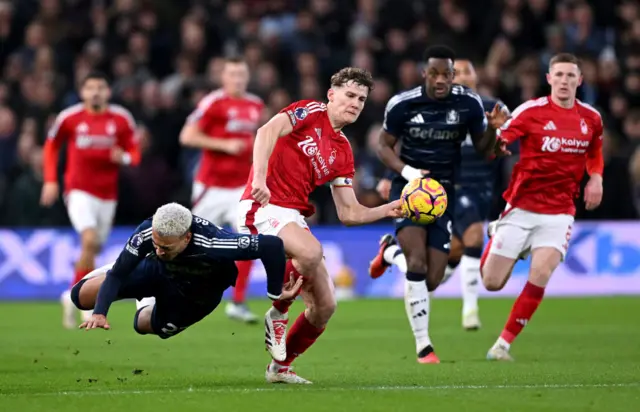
{"x": 162, "y": 56}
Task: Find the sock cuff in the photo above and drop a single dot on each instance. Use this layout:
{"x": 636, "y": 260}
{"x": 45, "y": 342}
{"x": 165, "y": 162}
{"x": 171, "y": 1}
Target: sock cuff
{"x": 307, "y": 328}
{"x": 533, "y": 290}
{"x": 474, "y": 252}
{"x": 416, "y": 277}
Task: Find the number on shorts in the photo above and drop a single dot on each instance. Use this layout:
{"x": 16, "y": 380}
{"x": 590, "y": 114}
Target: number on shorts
{"x": 171, "y": 329}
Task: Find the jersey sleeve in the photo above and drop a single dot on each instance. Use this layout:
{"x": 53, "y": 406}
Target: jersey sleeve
{"x": 136, "y": 248}
{"x": 220, "y": 244}
{"x": 202, "y": 115}
{"x": 57, "y": 135}
{"x": 393, "y": 118}
{"x": 304, "y": 113}
{"x": 127, "y": 137}
{"x": 595, "y": 160}
{"x": 516, "y": 126}
{"x": 477, "y": 117}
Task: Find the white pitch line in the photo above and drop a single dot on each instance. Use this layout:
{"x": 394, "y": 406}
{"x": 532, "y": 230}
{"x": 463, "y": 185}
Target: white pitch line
{"x": 312, "y": 388}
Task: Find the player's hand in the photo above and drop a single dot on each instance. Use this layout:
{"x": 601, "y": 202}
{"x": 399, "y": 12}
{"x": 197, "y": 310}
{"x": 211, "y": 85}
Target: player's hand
{"x": 117, "y": 155}
{"x": 49, "y": 194}
{"x": 384, "y": 188}
{"x": 96, "y": 321}
{"x": 395, "y": 209}
{"x": 500, "y": 148}
{"x": 260, "y": 192}
{"x": 291, "y": 289}
{"x": 593, "y": 192}
{"x": 234, "y": 146}
{"x": 497, "y": 117}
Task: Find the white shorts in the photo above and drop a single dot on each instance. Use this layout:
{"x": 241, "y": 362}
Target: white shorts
{"x": 267, "y": 220}
{"x": 87, "y": 211}
{"x": 216, "y": 204}
{"x": 518, "y": 232}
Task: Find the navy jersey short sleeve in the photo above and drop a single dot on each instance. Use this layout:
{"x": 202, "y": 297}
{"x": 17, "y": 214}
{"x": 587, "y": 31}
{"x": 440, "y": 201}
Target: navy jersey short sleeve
{"x": 393, "y": 117}
{"x": 477, "y": 118}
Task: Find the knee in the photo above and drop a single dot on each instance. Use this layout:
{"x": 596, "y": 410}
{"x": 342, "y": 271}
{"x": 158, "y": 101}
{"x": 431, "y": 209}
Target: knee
{"x": 417, "y": 264}
{"x": 310, "y": 256}
{"x": 142, "y": 320}
{"x": 75, "y": 296}
{"x": 492, "y": 283}
{"x": 90, "y": 241}
{"x": 473, "y": 237}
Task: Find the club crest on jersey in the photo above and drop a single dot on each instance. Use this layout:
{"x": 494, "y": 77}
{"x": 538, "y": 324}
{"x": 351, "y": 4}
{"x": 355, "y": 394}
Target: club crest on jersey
{"x": 111, "y": 128}
{"x": 452, "y": 117}
{"x": 300, "y": 113}
{"x": 244, "y": 242}
{"x": 583, "y": 127}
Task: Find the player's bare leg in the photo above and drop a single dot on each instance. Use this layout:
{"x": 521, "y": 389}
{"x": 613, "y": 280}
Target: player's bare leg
{"x": 90, "y": 247}
{"x": 413, "y": 240}
{"x": 306, "y": 253}
{"x": 544, "y": 261}
{"x": 473, "y": 239}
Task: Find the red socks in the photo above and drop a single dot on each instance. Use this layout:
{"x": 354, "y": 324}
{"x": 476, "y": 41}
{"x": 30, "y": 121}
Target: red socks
{"x": 290, "y": 270}
{"x": 301, "y": 336}
{"x": 522, "y": 311}
{"x": 79, "y": 274}
{"x": 242, "y": 282}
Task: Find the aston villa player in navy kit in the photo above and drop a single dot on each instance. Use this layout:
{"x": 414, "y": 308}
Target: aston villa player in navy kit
{"x": 186, "y": 263}
{"x": 430, "y": 122}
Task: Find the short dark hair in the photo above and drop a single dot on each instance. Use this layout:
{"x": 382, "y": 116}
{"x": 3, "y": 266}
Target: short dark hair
{"x": 564, "y": 58}
{"x": 235, "y": 60}
{"x": 439, "y": 52}
{"x": 95, "y": 75}
{"x": 354, "y": 74}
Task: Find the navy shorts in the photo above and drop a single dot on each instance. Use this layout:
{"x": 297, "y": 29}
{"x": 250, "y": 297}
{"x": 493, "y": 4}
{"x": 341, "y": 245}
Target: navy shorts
{"x": 178, "y": 304}
{"x": 470, "y": 207}
{"x": 438, "y": 232}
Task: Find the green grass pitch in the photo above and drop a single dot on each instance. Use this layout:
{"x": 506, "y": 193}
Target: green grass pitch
{"x": 575, "y": 355}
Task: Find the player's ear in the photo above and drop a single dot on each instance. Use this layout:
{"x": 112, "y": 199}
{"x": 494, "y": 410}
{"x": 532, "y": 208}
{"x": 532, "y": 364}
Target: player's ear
{"x": 330, "y": 94}
{"x": 549, "y": 78}
{"x": 580, "y": 80}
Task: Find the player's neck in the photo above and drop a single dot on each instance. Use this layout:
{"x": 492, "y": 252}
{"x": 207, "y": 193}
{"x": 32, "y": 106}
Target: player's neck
{"x": 335, "y": 124}
{"x": 565, "y": 104}
{"x": 93, "y": 110}
{"x": 235, "y": 94}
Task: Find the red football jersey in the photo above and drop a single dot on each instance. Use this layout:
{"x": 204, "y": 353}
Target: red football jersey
{"x": 221, "y": 116}
{"x": 90, "y": 137}
{"x": 556, "y": 145}
{"x": 310, "y": 156}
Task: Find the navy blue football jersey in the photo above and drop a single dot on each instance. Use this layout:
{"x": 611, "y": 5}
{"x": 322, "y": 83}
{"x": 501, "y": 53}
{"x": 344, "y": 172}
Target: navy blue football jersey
{"x": 476, "y": 171}
{"x": 431, "y": 131}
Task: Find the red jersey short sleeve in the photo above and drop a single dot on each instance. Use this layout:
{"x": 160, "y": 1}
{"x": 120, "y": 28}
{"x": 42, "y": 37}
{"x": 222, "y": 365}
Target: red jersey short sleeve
{"x": 312, "y": 155}
{"x": 555, "y": 144}
{"x": 221, "y": 116}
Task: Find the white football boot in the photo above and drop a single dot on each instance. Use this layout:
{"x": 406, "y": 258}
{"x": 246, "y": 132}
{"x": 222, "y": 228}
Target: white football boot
{"x": 471, "y": 320}
{"x": 240, "y": 312}
{"x": 499, "y": 353}
{"x": 283, "y": 374}
{"x": 275, "y": 326}
{"x": 69, "y": 320}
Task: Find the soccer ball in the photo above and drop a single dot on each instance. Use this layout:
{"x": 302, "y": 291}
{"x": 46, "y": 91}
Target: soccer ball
{"x": 424, "y": 200}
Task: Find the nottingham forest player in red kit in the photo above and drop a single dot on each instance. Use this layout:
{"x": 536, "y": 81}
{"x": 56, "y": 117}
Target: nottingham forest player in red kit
{"x": 560, "y": 137}
{"x": 299, "y": 149}
{"x": 100, "y": 138}
{"x": 223, "y": 126}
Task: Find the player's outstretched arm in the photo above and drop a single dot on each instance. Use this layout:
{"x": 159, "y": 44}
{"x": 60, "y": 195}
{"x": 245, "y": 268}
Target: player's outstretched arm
{"x": 352, "y": 213}
{"x": 266, "y": 138}
{"x": 137, "y": 247}
{"x": 388, "y": 156}
{"x": 192, "y": 136}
